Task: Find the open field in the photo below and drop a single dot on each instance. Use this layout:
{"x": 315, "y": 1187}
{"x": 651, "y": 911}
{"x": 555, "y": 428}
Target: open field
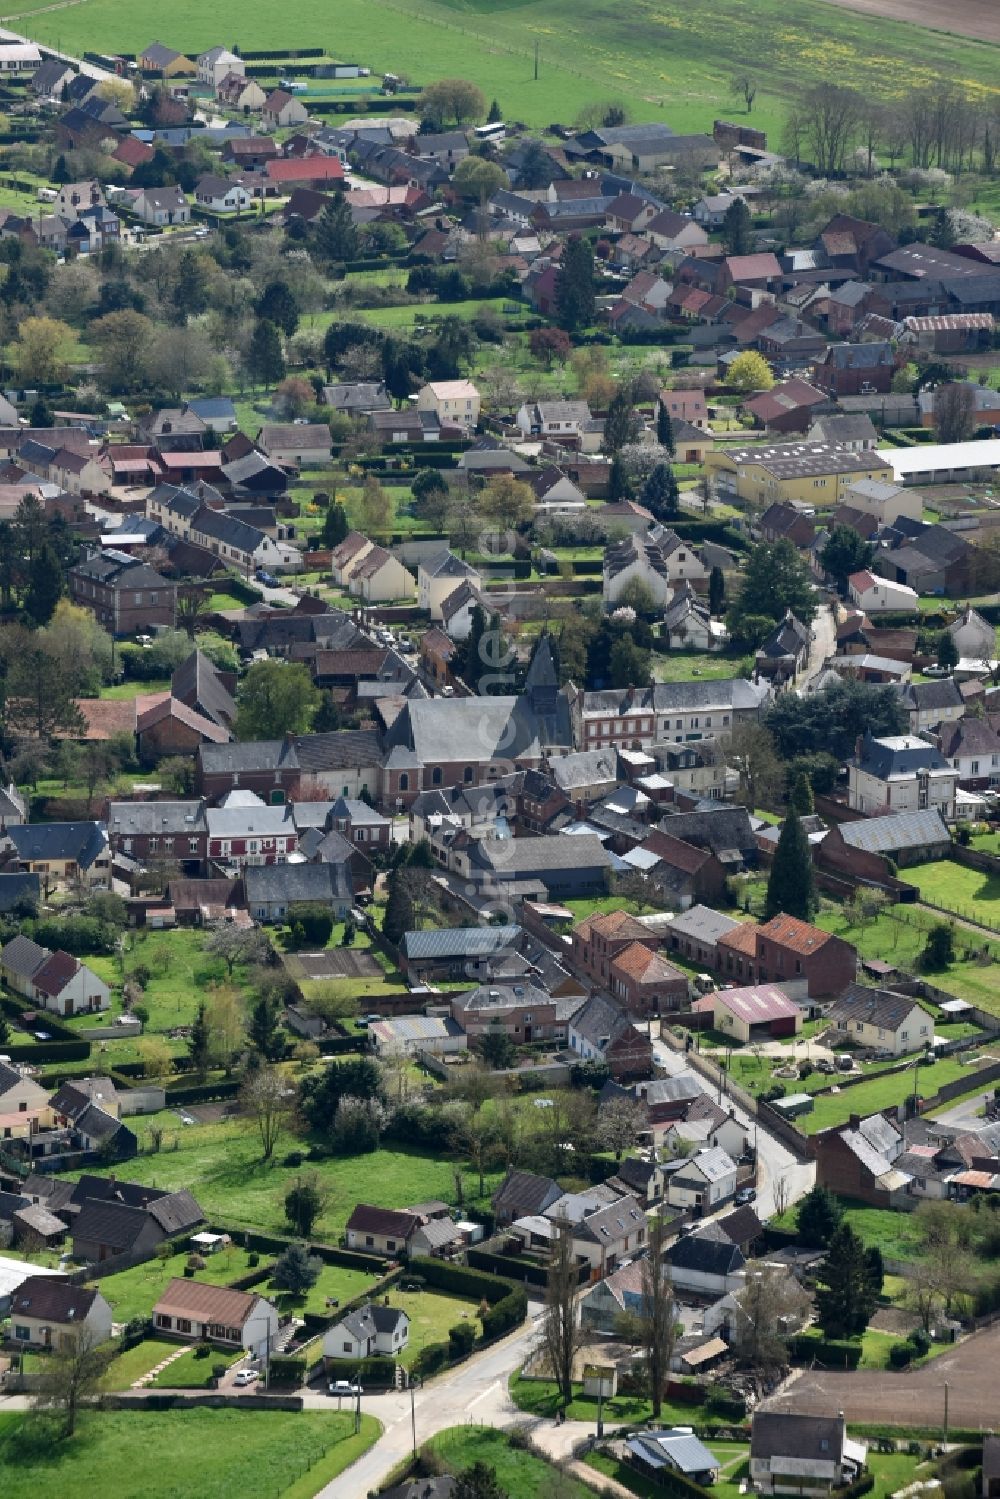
{"x": 953, "y": 887}
{"x": 672, "y": 62}
{"x": 898, "y": 936}
{"x": 896, "y": 1234}
{"x": 518, "y": 1473}
{"x": 163, "y": 1454}
{"x": 884, "y": 1092}
{"x": 221, "y": 1165}
{"x": 975, "y": 18}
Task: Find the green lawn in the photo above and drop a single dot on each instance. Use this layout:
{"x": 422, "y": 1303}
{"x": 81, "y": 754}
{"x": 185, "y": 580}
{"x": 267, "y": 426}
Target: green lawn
{"x": 520, "y": 1474}
{"x": 134, "y": 1292}
{"x": 193, "y": 1370}
{"x": 431, "y": 1315}
{"x": 221, "y": 1165}
{"x": 540, "y": 1397}
{"x": 896, "y": 1234}
{"x": 182, "y": 1453}
{"x": 732, "y": 1457}
{"x": 674, "y": 63}
{"x": 180, "y": 972}
{"x": 336, "y": 1283}
{"x": 424, "y": 312}
{"x": 883, "y": 1092}
{"x": 683, "y": 666}
{"x": 898, "y": 936}
{"x": 124, "y": 690}
{"x": 967, "y": 892}
{"x": 135, "y": 1362}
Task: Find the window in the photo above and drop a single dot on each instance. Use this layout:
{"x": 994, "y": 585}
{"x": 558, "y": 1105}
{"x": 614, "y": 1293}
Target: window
{"x": 347, "y": 1348}
{"x": 22, "y": 1333}
{"x": 469, "y": 773}
{"x": 436, "y": 776}
{"x": 369, "y": 1241}
{"x": 404, "y": 782}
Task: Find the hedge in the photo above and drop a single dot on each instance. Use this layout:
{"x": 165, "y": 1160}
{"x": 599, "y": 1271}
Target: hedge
{"x": 505, "y": 1315}
{"x": 286, "y": 1368}
{"x": 837, "y": 1353}
{"x": 49, "y": 1051}
{"x": 203, "y": 1092}
{"x": 474, "y": 1285}
{"x": 348, "y": 1259}
{"x": 367, "y": 1371}
{"x": 495, "y": 1264}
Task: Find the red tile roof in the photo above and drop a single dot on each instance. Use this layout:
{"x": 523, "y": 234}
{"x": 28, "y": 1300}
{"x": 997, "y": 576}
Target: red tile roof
{"x": 306, "y": 169}
{"x": 797, "y": 936}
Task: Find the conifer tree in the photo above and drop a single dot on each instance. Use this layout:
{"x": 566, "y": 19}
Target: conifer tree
{"x": 791, "y": 888}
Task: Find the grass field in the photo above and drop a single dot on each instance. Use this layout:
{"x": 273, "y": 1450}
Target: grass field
{"x": 126, "y": 690}
{"x": 193, "y": 1370}
{"x": 336, "y": 1283}
{"x": 883, "y": 1093}
{"x": 953, "y": 887}
{"x": 540, "y": 1397}
{"x": 668, "y": 62}
{"x": 221, "y": 1165}
{"x": 518, "y": 1473}
{"x": 134, "y": 1292}
{"x": 898, "y": 936}
{"x": 135, "y": 1362}
{"x": 166, "y": 1454}
{"x": 896, "y": 1234}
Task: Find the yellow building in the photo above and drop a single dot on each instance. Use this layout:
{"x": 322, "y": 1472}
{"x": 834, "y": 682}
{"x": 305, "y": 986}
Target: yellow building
{"x": 167, "y": 61}
{"x": 817, "y": 475}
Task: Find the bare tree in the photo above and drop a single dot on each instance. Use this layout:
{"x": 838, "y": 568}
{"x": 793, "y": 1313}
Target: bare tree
{"x": 922, "y": 1294}
{"x": 658, "y": 1324}
{"x": 620, "y": 1122}
{"x": 71, "y": 1375}
{"x": 768, "y": 1308}
{"x": 745, "y": 88}
{"x": 235, "y": 945}
{"x": 750, "y": 751}
{"x": 265, "y": 1096}
{"x": 830, "y": 116}
{"x": 780, "y": 1196}
{"x": 561, "y": 1331}
{"x": 955, "y": 412}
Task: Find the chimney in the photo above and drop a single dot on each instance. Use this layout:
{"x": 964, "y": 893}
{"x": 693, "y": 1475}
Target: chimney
{"x": 854, "y": 1122}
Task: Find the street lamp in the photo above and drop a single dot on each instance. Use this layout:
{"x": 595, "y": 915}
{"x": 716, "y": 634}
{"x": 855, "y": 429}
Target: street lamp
{"x": 415, "y": 1383}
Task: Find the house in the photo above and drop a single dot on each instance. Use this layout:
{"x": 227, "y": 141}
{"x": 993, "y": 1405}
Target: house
{"x": 862, "y": 1160}
{"x": 250, "y": 832}
{"x": 703, "y": 1181}
{"x": 787, "y": 406}
{"x": 674, "y": 1450}
{"x": 802, "y": 1455}
{"x": 371, "y": 1331}
{"x": 49, "y": 1312}
{"x": 65, "y": 986}
{"x": 167, "y": 62}
{"x": 318, "y": 172}
{"x": 221, "y": 194}
{"x": 688, "y": 624}
{"x": 438, "y": 577}
{"x": 104, "y": 1229}
{"x": 406, "y": 1035}
{"x": 694, "y": 934}
{"x": 659, "y": 560}
{"x": 645, "y": 983}
{"x": 455, "y": 402}
{"x": 274, "y": 890}
{"x": 932, "y": 705}
{"x": 603, "y": 1232}
{"x": 523, "y": 1194}
{"x": 214, "y": 64}
{"x": 282, "y": 109}
{"x": 245, "y": 95}
{"x": 380, "y": 578}
{"x": 900, "y": 773}
{"x": 561, "y": 420}
{"x": 19, "y": 57}
{"x": 603, "y": 1305}
{"x": 146, "y": 831}
{"x": 753, "y": 1012}
{"x": 195, "y": 1312}
{"x": 861, "y": 848}
{"x": 877, "y": 595}
{"x": 358, "y": 399}
{"x": 601, "y": 1031}
{"x": 974, "y": 637}
{"x": 523, "y": 1011}
{"x": 785, "y": 651}
{"x": 882, "y": 1020}
{"x": 61, "y": 851}
{"x": 382, "y": 1231}
{"x": 296, "y": 444}
{"x": 786, "y": 950}
{"x": 972, "y": 747}
{"x": 125, "y": 595}
{"x": 855, "y": 369}
{"x": 20, "y": 1094}
{"x": 706, "y": 1263}
{"x": 162, "y": 206}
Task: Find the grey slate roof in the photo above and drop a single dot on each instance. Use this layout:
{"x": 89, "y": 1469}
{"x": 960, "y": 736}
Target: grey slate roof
{"x": 781, "y": 1434}
{"x": 23, "y": 957}
{"x": 130, "y": 818}
{"x": 879, "y": 1007}
{"x": 704, "y": 1252}
{"x": 459, "y": 942}
{"x": 326, "y": 882}
{"x": 40, "y": 842}
{"x": 53, "y": 1299}
{"x": 900, "y": 830}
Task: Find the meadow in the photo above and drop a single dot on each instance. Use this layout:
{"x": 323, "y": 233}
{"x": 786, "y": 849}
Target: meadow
{"x": 668, "y": 60}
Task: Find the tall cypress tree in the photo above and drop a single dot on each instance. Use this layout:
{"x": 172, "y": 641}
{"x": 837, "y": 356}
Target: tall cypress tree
{"x": 716, "y": 590}
{"x": 575, "y": 301}
{"x": 802, "y": 795}
{"x": 334, "y": 235}
{"x": 400, "y": 916}
{"x": 660, "y": 494}
{"x": 665, "y": 429}
{"x": 847, "y": 1294}
{"x": 791, "y": 888}
{"x": 335, "y": 524}
{"x": 45, "y": 585}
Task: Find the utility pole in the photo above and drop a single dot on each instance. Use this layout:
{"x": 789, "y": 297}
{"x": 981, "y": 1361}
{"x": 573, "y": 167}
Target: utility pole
{"x": 414, "y": 1382}
{"x": 944, "y": 1439}
{"x": 357, "y": 1409}
{"x": 536, "y": 60}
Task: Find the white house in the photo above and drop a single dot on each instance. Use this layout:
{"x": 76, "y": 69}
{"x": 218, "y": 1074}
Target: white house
{"x": 900, "y": 773}
{"x": 19, "y": 57}
{"x": 437, "y": 579}
{"x": 20, "y": 1094}
{"x": 553, "y": 418}
{"x": 296, "y": 444}
{"x": 239, "y": 92}
{"x": 659, "y": 559}
{"x": 886, "y": 502}
{"x": 707, "y": 1263}
{"x": 704, "y": 1180}
{"x": 66, "y": 986}
{"x": 281, "y": 109}
{"x": 194, "y": 1311}
{"x": 348, "y": 556}
{"x": 380, "y": 578}
{"x": 882, "y": 1020}
{"x": 47, "y": 1311}
{"x": 688, "y": 624}
{"x": 221, "y": 195}
{"x": 456, "y": 402}
{"x": 162, "y": 206}
{"x": 877, "y": 595}
{"x": 458, "y": 609}
{"x": 214, "y": 64}
{"x": 603, "y": 1233}
{"x": 371, "y": 1331}
{"x": 974, "y": 636}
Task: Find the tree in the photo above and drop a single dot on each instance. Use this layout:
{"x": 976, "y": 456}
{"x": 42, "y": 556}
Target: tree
{"x": 817, "y": 1218}
{"x": 955, "y": 411}
{"x": 334, "y": 235}
{"x": 296, "y": 1270}
{"x": 199, "y": 1042}
{"x": 749, "y": 750}
{"x": 845, "y": 553}
{"x": 750, "y": 371}
{"x": 939, "y": 949}
{"x": 123, "y": 340}
{"x": 478, "y": 1482}
{"x": 620, "y": 1122}
{"x": 277, "y": 304}
{"x": 264, "y": 1098}
{"x": 846, "y": 1297}
{"x": 294, "y": 396}
{"x": 638, "y": 595}
{"x": 660, "y": 494}
{"x": 238, "y": 946}
{"x": 802, "y": 795}
{"x": 947, "y": 651}
{"x": 829, "y": 723}
{"x": 829, "y": 116}
{"x": 574, "y": 291}
{"x": 622, "y": 425}
{"x": 657, "y": 1317}
{"x": 374, "y": 506}
{"x": 549, "y": 345}
{"x": 45, "y": 585}
{"x": 745, "y": 87}
{"x": 451, "y": 99}
{"x": 716, "y": 590}
{"x": 506, "y": 502}
{"x": 71, "y": 1375}
{"x": 737, "y": 228}
{"x": 664, "y": 429}
{"x": 224, "y": 1012}
{"x": 772, "y": 1303}
{"x": 335, "y": 525}
{"x": 561, "y": 1332}
{"x": 477, "y": 178}
{"x": 431, "y": 496}
{"x": 791, "y": 885}
{"x": 497, "y": 1050}
{"x": 399, "y": 913}
{"x": 776, "y": 579}
{"x": 628, "y": 664}
{"x": 264, "y": 1027}
{"x": 495, "y": 116}
{"x": 264, "y": 360}
{"x": 42, "y": 351}
{"x": 275, "y": 698}
{"x": 303, "y": 1204}
{"x": 942, "y": 236}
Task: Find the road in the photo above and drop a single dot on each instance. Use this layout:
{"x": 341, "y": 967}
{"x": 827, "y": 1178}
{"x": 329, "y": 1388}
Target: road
{"x": 824, "y": 645}
{"x": 777, "y": 1163}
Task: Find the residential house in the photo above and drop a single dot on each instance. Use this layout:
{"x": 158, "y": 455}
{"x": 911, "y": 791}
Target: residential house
{"x": 786, "y": 950}
{"x": 882, "y": 1020}
{"x": 645, "y": 983}
{"x": 601, "y": 1031}
{"x": 214, "y": 64}
{"x": 855, "y": 369}
{"x": 162, "y": 206}
{"x": 559, "y": 420}
{"x": 438, "y": 577}
{"x": 195, "y": 1312}
{"x": 972, "y": 747}
{"x": 48, "y": 1311}
{"x": 523, "y": 1011}
{"x": 20, "y": 1094}
{"x": 359, "y": 399}
{"x": 703, "y": 1181}
{"x": 932, "y": 705}
{"x": 455, "y": 403}
{"x": 60, "y": 851}
{"x": 380, "y": 578}
{"x": 706, "y": 1263}
{"x": 785, "y": 652}
{"x": 381, "y": 1231}
{"x": 296, "y": 444}
{"x": 282, "y": 109}
{"x": 603, "y": 1305}
{"x": 875, "y": 595}
{"x": 221, "y": 194}
{"x": 273, "y": 890}
{"x": 126, "y": 596}
{"x": 688, "y": 624}
{"x": 659, "y": 560}
{"x": 250, "y": 832}
{"x": 371, "y": 1331}
{"x": 974, "y": 636}
{"x": 130, "y": 1222}
{"x": 245, "y": 95}
{"x": 900, "y": 773}
{"x": 147, "y": 831}
{"x": 603, "y": 1233}
{"x": 803, "y": 1455}
{"x": 694, "y": 934}
{"x": 523, "y": 1194}
{"x": 167, "y": 62}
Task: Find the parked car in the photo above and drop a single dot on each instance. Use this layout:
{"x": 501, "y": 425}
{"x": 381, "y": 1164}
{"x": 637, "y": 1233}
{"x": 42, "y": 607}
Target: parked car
{"x": 268, "y": 579}
{"x": 246, "y": 1376}
{"x": 344, "y": 1387}
{"x": 745, "y": 1196}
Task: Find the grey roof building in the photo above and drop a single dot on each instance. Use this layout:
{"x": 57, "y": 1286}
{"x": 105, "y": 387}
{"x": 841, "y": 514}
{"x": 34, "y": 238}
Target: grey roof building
{"x": 897, "y": 832}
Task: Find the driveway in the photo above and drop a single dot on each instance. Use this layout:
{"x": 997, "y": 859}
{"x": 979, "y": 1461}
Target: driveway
{"x": 824, "y": 645}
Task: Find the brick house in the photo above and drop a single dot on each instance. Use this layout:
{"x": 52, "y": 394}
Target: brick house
{"x": 601, "y": 1031}
{"x": 684, "y": 874}
{"x": 645, "y": 983}
{"x": 855, "y": 369}
{"x": 522, "y": 1011}
{"x": 145, "y": 831}
{"x": 251, "y": 835}
{"x": 170, "y": 727}
{"x": 786, "y": 950}
{"x": 126, "y": 596}
{"x": 599, "y": 939}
